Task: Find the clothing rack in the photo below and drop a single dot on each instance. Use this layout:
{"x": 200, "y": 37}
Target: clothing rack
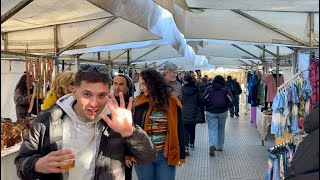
{"x": 292, "y": 80}
{"x": 294, "y": 139}
{"x": 291, "y": 140}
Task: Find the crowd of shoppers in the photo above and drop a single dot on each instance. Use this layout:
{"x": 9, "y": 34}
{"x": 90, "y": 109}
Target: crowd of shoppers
{"x": 110, "y": 136}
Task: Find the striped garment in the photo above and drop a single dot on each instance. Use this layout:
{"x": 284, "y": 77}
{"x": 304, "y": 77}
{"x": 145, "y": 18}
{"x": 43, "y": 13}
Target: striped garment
{"x": 157, "y": 129}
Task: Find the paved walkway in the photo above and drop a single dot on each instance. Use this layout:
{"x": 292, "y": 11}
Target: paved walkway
{"x": 243, "y": 156}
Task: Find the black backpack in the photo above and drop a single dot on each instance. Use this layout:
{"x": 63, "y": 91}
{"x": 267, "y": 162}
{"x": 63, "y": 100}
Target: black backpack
{"x": 232, "y": 86}
{"x": 217, "y": 98}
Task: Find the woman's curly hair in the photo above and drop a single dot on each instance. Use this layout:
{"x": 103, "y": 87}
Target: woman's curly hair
{"x": 157, "y": 89}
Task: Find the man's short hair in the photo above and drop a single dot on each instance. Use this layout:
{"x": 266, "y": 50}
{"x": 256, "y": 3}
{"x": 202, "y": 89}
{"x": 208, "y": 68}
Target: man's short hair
{"x": 92, "y": 77}
{"x": 170, "y": 67}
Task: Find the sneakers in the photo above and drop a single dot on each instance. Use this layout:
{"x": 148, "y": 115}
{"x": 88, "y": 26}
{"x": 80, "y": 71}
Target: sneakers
{"x": 187, "y": 151}
{"x": 192, "y": 146}
{"x": 212, "y": 150}
{"x": 237, "y": 115}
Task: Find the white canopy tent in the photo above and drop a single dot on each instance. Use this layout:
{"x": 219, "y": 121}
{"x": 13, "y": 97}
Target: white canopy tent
{"x": 258, "y": 5}
{"x": 78, "y": 23}
{"x": 73, "y": 27}
{"x": 230, "y": 54}
{"x": 248, "y": 24}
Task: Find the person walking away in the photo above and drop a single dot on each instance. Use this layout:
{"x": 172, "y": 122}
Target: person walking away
{"x": 159, "y": 114}
{"x": 205, "y": 83}
{"x": 123, "y": 83}
{"x": 62, "y": 84}
{"x": 170, "y": 74}
{"x": 82, "y": 121}
{"x": 218, "y": 99}
{"x": 192, "y": 112}
{"x": 236, "y": 90}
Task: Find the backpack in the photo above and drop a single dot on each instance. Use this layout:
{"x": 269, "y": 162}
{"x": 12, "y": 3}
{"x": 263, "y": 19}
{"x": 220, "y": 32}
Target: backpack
{"x": 239, "y": 90}
{"x": 217, "y": 98}
{"x": 232, "y": 86}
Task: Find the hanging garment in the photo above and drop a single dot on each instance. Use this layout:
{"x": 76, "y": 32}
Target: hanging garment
{"x": 271, "y": 82}
{"x": 314, "y": 81}
{"x": 253, "y": 89}
{"x": 281, "y": 166}
{"x": 278, "y": 121}
{"x": 262, "y": 93}
{"x": 295, "y": 108}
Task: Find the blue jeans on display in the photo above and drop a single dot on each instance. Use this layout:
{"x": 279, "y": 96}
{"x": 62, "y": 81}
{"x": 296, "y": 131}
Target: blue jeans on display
{"x": 216, "y": 128}
{"x": 156, "y": 170}
{"x": 235, "y": 108}
{"x": 273, "y": 171}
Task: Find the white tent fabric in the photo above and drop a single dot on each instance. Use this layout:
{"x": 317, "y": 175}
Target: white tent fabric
{"x": 224, "y": 54}
{"x": 262, "y": 5}
{"x": 10, "y": 75}
{"x": 159, "y": 21}
{"x": 200, "y": 62}
{"x": 136, "y": 54}
{"x": 31, "y": 29}
{"x": 228, "y": 25}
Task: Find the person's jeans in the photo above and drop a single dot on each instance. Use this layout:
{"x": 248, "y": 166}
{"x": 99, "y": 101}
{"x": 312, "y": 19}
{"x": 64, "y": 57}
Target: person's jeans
{"x": 216, "y": 128}
{"x": 156, "y": 170}
{"x": 189, "y": 134}
{"x": 273, "y": 171}
{"x": 235, "y": 108}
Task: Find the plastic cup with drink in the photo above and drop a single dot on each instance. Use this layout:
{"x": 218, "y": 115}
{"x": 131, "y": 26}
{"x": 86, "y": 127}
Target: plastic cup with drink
{"x": 71, "y": 162}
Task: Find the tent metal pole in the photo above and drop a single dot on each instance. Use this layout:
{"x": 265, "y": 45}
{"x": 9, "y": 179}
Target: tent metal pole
{"x": 110, "y": 63}
{"x": 86, "y": 35}
{"x": 133, "y": 74}
{"x": 311, "y": 35}
{"x": 14, "y": 10}
{"x": 311, "y": 24}
{"x": 154, "y": 63}
{"x": 128, "y": 62}
{"x": 247, "y": 52}
{"x": 246, "y": 94}
{"x": 161, "y": 64}
{"x": 95, "y": 61}
{"x": 99, "y": 57}
{"x": 24, "y": 54}
{"x": 5, "y": 40}
{"x": 244, "y": 62}
{"x": 56, "y": 49}
{"x": 266, "y": 50}
{"x": 120, "y": 54}
{"x": 72, "y": 22}
{"x": 253, "y": 63}
{"x": 269, "y": 26}
{"x": 264, "y": 59}
{"x": 277, "y": 67}
{"x": 295, "y": 61}
{"x": 144, "y": 54}
{"x": 77, "y": 62}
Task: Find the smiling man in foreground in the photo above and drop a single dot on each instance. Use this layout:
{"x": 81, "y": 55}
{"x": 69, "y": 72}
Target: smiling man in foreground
{"x": 80, "y": 119}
